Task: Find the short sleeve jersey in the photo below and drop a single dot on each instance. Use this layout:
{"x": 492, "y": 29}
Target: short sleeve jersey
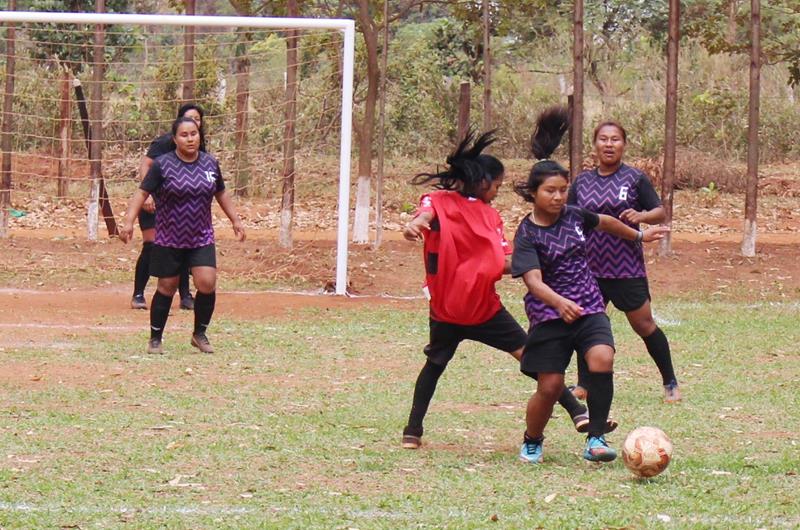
{"x": 559, "y": 251}
{"x": 464, "y": 254}
{"x": 628, "y": 187}
{"x": 183, "y": 192}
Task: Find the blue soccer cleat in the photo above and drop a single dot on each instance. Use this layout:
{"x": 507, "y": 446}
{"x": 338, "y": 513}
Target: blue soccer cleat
{"x": 531, "y": 452}
{"x": 597, "y": 450}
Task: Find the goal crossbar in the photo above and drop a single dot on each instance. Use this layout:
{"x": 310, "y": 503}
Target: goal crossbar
{"x": 346, "y": 26}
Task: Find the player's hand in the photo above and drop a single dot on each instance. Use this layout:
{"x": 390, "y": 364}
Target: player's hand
{"x": 238, "y": 229}
{"x": 126, "y": 232}
{"x": 149, "y": 205}
{"x": 569, "y": 311}
{"x": 654, "y": 233}
{"x": 631, "y": 216}
{"x": 414, "y": 230}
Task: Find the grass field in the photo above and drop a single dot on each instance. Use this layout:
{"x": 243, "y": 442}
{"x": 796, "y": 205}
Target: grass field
{"x": 295, "y": 423}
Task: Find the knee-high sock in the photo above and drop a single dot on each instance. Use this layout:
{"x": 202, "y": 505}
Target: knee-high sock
{"x": 600, "y": 386}
{"x": 142, "y": 274}
{"x": 570, "y": 403}
{"x": 159, "y": 312}
{"x": 203, "y": 309}
{"x": 658, "y": 348}
{"x": 583, "y": 370}
{"x": 423, "y": 393}
{"x": 183, "y": 283}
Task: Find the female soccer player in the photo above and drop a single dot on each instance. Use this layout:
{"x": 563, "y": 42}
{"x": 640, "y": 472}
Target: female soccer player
{"x": 183, "y": 182}
{"x": 147, "y": 217}
{"x": 465, "y": 254}
{"x": 618, "y": 190}
{"x": 563, "y": 304}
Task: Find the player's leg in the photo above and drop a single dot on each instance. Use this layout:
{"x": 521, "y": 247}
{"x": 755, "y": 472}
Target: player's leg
{"x": 165, "y": 263}
{"x": 444, "y": 339}
{"x": 142, "y": 271}
{"x": 594, "y": 342}
{"x": 203, "y": 264}
{"x": 187, "y": 301}
{"x": 643, "y": 323}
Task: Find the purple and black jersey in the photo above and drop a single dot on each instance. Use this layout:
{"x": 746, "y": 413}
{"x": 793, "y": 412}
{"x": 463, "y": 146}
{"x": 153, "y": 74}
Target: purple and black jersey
{"x": 610, "y": 256}
{"x": 559, "y": 251}
{"x": 183, "y": 192}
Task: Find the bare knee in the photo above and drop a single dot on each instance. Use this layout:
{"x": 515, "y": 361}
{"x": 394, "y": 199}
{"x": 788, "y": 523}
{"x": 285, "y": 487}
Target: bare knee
{"x": 600, "y": 359}
{"x": 550, "y": 386}
{"x": 168, "y": 286}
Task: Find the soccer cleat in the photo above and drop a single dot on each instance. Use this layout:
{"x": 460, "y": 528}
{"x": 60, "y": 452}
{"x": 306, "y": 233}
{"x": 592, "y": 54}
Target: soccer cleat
{"x": 200, "y": 341}
{"x": 597, "y": 450}
{"x": 532, "y": 451}
{"x": 579, "y": 392}
{"x": 138, "y": 301}
{"x": 154, "y": 347}
{"x": 671, "y": 393}
{"x": 187, "y": 302}
{"x": 411, "y": 442}
{"x": 581, "y": 422}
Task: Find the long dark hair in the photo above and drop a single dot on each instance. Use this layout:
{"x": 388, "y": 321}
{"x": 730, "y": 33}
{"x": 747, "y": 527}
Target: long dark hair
{"x": 468, "y": 169}
{"x": 551, "y": 125}
{"x": 183, "y": 109}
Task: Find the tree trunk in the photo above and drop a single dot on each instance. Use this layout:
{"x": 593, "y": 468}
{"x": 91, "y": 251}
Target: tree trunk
{"x": 487, "y": 68}
{"x": 8, "y": 125}
{"x": 576, "y": 127}
{"x": 188, "y": 55}
{"x": 64, "y": 134}
{"x": 382, "y": 129}
{"x": 668, "y": 180}
{"x": 464, "y": 100}
{"x": 241, "y": 163}
{"x": 96, "y": 125}
{"x": 290, "y": 114}
{"x": 751, "y": 195}
{"x": 361, "y": 221}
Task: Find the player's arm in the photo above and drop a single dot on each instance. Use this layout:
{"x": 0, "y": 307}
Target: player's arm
{"x": 418, "y": 225}
{"x": 617, "y": 228}
{"x": 567, "y": 309}
{"x": 652, "y": 211}
{"x": 135, "y": 204}
{"x": 144, "y": 166}
{"x": 226, "y": 203}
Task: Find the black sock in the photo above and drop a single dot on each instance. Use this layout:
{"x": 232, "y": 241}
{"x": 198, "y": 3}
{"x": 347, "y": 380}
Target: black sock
{"x": 529, "y": 439}
{"x": 423, "y": 393}
{"x": 142, "y": 274}
{"x": 183, "y": 283}
{"x": 658, "y": 348}
{"x": 159, "y": 312}
{"x": 583, "y": 370}
{"x": 203, "y": 309}
{"x": 601, "y": 392}
{"x": 570, "y": 403}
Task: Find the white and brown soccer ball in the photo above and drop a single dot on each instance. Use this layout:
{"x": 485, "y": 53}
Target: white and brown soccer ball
{"x": 647, "y": 451}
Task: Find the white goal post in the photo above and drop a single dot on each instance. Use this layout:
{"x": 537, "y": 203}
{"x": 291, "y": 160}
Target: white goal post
{"x": 347, "y": 27}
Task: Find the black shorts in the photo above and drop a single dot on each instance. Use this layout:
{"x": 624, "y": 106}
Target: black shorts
{"x": 146, "y": 220}
{"x": 627, "y": 294}
{"x": 550, "y": 344}
{"x": 166, "y": 262}
{"x": 502, "y": 331}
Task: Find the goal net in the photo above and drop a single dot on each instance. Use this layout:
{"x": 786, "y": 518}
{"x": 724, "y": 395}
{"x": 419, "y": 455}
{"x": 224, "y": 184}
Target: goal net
{"x": 85, "y": 94}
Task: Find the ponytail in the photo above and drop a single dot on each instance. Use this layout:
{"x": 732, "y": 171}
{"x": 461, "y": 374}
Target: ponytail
{"x": 551, "y": 125}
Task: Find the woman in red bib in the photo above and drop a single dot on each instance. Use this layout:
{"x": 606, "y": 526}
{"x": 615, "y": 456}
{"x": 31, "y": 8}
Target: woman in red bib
{"x": 465, "y": 254}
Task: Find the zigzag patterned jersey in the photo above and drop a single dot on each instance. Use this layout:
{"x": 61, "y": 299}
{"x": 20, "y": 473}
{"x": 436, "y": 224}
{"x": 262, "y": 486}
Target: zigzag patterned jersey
{"x": 610, "y": 256}
{"x": 183, "y": 192}
{"x": 559, "y": 251}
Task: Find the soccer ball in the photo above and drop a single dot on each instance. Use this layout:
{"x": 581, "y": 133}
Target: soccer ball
{"x": 647, "y": 451}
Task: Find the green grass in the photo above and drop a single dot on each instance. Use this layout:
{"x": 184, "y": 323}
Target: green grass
{"x": 296, "y": 422}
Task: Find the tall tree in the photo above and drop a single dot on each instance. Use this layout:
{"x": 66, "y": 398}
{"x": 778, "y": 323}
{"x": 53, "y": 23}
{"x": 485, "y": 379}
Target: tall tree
{"x": 751, "y": 194}
{"x": 671, "y": 120}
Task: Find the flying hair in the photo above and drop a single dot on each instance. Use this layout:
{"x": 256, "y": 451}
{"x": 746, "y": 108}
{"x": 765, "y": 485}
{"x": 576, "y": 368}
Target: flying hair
{"x": 551, "y": 125}
{"x": 467, "y": 169}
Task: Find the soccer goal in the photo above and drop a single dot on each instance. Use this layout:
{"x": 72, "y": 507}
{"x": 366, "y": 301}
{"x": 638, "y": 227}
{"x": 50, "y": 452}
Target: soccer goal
{"x": 86, "y": 93}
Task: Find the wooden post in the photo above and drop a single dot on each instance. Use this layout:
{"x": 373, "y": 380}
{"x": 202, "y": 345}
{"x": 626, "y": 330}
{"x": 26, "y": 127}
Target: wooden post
{"x": 671, "y": 120}
{"x": 64, "y": 135}
{"x": 464, "y": 100}
{"x": 382, "y": 129}
{"x": 487, "y": 68}
{"x": 8, "y": 125}
{"x": 576, "y": 127}
{"x": 241, "y": 160}
{"x": 188, "y": 55}
{"x": 290, "y": 116}
{"x": 751, "y": 194}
